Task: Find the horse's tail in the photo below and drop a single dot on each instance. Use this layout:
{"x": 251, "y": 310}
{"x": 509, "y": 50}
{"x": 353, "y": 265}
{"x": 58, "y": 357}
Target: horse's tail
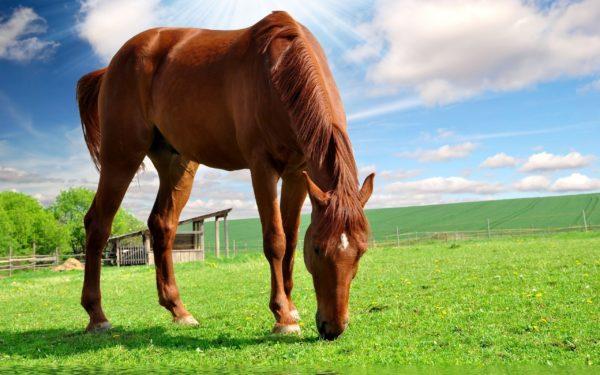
{"x": 88, "y": 88}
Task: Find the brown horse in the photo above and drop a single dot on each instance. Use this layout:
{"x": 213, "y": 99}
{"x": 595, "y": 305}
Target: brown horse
{"x": 261, "y": 98}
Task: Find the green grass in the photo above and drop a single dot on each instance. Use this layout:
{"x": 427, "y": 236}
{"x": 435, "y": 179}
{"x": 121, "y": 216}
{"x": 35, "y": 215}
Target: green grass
{"x": 515, "y": 302}
{"x": 544, "y": 212}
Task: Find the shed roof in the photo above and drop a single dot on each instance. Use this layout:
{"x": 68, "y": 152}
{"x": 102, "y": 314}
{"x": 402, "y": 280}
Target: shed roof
{"x": 216, "y": 214}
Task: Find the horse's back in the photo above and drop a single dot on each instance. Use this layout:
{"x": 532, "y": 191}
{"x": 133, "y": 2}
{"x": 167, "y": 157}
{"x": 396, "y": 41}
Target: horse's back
{"x": 175, "y": 78}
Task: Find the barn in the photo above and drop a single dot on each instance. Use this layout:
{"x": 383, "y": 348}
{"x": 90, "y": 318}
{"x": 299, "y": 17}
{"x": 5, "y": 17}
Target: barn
{"x": 135, "y": 248}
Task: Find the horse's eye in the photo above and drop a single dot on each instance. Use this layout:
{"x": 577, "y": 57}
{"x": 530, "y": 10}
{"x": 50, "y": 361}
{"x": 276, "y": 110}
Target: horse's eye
{"x": 317, "y": 250}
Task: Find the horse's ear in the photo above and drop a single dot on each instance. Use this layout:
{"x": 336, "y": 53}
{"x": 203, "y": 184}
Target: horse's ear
{"x": 316, "y": 194}
{"x": 366, "y": 190}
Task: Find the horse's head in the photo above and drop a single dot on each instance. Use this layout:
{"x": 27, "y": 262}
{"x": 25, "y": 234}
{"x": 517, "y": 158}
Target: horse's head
{"x": 332, "y": 259}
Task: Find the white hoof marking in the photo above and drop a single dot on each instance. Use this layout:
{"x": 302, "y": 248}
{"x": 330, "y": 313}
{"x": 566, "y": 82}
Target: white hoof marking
{"x": 99, "y": 327}
{"x": 288, "y": 329}
{"x": 187, "y": 320}
{"x": 295, "y": 314}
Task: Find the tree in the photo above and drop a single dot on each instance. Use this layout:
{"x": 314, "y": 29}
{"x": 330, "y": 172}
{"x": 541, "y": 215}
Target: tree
{"x": 70, "y": 208}
{"x": 7, "y": 231}
{"x": 30, "y": 223}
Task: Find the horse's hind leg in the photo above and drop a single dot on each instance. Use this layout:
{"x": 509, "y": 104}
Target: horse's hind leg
{"x": 176, "y": 178}
{"x": 120, "y": 158}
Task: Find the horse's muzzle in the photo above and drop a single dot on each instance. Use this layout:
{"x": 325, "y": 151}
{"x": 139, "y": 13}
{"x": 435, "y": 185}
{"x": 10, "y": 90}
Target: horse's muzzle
{"x": 329, "y": 330}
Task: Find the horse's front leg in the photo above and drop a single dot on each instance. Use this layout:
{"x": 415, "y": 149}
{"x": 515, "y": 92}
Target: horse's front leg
{"x": 293, "y": 194}
{"x": 264, "y": 182}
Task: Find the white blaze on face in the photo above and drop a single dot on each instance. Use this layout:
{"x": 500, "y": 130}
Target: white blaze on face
{"x": 344, "y": 242}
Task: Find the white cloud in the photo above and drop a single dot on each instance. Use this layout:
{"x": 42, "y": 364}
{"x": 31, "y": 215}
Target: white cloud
{"x": 214, "y": 204}
{"x": 14, "y": 175}
{"x": 451, "y": 50}
{"x": 439, "y": 134}
{"x": 385, "y": 108}
{"x": 533, "y": 183}
{"x": 500, "y": 160}
{"x": 590, "y": 87}
{"x": 576, "y": 182}
{"x": 399, "y": 174}
{"x": 365, "y": 170}
{"x": 108, "y": 24}
{"x": 545, "y": 161}
{"x": 381, "y": 199}
{"x": 445, "y": 185}
{"x": 16, "y": 36}
{"x": 444, "y": 133}
{"x": 446, "y": 152}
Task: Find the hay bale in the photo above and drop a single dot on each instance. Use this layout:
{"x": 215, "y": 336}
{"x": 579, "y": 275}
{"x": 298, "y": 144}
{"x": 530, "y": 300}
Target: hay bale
{"x": 68, "y": 265}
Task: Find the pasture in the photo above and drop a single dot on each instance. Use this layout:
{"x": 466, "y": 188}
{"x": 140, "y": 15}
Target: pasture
{"x": 493, "y": 303}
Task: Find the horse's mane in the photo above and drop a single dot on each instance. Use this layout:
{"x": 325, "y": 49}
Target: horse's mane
{"x": 298, "y": 79}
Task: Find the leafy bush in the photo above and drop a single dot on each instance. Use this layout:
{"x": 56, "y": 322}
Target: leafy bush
{"x": 70, "y": 208}
{"x": 24, "y": 221}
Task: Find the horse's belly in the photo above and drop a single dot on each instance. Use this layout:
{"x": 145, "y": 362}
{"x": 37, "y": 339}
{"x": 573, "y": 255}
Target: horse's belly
{"x": 211, "y": 142}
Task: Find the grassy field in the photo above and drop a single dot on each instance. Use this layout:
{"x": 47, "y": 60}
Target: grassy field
{"x": 553, "y": 212}
{"x": 499, "y": 303}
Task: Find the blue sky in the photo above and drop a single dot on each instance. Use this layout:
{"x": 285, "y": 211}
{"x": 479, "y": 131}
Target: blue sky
{"x": 446, "y": 101}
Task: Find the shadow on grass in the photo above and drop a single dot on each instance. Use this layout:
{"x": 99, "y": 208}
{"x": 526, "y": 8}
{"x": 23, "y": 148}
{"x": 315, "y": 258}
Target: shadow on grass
{"x": 42, "y": 343}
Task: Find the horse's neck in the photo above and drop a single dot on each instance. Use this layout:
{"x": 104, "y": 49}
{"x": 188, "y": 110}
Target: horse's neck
{"x": 327, "y": 176}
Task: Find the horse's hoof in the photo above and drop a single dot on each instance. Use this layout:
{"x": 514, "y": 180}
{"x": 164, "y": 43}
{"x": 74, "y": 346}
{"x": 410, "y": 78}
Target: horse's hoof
{"x": 98, "y": 327}
{"x": 286, "y": 329}
{"x": 295, "y": 314}
{"x": 187, "y": 320}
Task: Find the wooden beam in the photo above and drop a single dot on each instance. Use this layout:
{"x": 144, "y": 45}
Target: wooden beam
{"x": 226, "y": 235}
{"x": 147, "y": 246}
{"x": 118, "y": 249}
{"x": 217, "y": 250}
{"x": 207, "y": 216}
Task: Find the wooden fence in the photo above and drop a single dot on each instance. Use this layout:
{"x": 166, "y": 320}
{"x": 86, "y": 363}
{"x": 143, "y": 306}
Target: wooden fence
{"x": 28, "y": 262}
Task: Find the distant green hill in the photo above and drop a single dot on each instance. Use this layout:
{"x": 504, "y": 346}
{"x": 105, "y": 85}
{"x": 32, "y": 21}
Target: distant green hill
{"x": 544, "y": 212}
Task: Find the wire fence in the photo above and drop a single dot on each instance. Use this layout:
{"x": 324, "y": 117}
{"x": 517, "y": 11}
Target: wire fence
{"x": 398, "y": 239}
{"x": 411, "y": 238}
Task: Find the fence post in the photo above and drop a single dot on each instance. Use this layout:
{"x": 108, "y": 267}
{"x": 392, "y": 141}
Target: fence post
{"x": 488, "y": 226}
{"x": 226, "y": 236}
{"x": 10, "y": 261}
{"x": 56, "y": 256}
{"x": 234, "y": 249}
{"x": 397, "y": 237}
{"x": 584, "y": 221}
{"x": 34, "y": 258}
